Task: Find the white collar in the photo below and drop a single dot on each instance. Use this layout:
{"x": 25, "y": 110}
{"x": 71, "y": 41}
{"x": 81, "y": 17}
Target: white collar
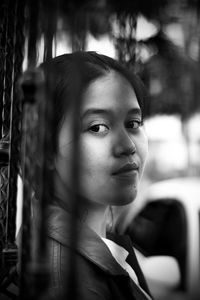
{"x": 118, "y": 252}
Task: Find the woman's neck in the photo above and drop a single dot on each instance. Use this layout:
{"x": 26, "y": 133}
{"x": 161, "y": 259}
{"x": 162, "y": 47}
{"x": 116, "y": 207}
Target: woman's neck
{"x": 95, "y": 217}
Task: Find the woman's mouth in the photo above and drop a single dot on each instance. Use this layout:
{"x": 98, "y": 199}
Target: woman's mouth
{"x": 127, "y": 171}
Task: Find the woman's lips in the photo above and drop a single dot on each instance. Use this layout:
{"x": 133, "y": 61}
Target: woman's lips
{"x": 127, "y": 170}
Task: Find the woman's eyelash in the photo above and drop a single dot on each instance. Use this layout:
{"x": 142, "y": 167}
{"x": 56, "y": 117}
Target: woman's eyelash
{"x": 135, "y": 124}
{"x": 101, "y": 128}
{"x": 98, "y": 128}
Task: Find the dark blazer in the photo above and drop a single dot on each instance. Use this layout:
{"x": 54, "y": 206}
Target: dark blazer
{"x": 81, "y": 263}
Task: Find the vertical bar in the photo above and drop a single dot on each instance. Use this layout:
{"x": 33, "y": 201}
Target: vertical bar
{"x": 7, "y": 115}
{"x": 8, "y": 80}
{"x": 71, "y": 287}
{"x": 3, "y": 18}
{"x": 15, "y": 121}
{"x": 44, "y": 186}
{"x": 10, "y": 251}
{"x": 25, "y": 241}
{"x": 4, "y": 145}
{"x": 44, "y": 178}
{"x": 33, "y": 265}
{"x": 33, "y": 12}
{"x": 28, "y": 146}
{"x": 34, "y": 273}
{"x": 50, "y": 24}
{"x": 8, "y": 45}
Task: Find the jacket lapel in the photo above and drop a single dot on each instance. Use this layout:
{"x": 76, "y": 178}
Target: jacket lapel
{"x": 84, "y": 240}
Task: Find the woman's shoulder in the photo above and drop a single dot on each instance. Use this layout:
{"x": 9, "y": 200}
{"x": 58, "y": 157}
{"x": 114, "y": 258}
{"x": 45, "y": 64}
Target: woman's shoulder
{"x": 65, "y": 263}
{"x": 75, "y": 237}
{"x": 82, "y": 251}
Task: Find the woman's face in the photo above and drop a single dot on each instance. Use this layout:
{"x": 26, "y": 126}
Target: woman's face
{"x": 113, "y": 144}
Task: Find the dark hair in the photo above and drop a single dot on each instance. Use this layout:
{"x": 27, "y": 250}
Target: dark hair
{"x": 72, "y": 73}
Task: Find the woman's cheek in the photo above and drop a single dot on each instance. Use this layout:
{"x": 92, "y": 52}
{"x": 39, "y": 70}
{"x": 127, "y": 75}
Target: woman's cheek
{"x": 146, "y": 146}
{"x": 91, "y": 146}
{"x": 143, "y": 149}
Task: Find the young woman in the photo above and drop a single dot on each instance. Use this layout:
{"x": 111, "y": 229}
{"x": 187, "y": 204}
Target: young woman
{"x": 112, "y": 149}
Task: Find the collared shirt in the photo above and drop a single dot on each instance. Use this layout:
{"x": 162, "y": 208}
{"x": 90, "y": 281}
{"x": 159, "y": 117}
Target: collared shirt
{"x": 121, "y": 254}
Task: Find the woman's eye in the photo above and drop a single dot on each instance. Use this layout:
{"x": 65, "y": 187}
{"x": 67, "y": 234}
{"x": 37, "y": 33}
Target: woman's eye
{"x": 135, "y": 124}
{"x": 99, "y": 128}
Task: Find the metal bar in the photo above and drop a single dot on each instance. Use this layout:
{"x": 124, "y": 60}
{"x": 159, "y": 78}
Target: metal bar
{"x": 7, "y": 98}
{"x": 33, "y": 14}
{"x": 28, "y": 147}
{"x": 3, "y": 18}
{"x": 32, "y": 84}
{"x": 8, "y": 80}
{"x": 71, "y": 286}
{"x": 15, "y": 121}
{"x": 6, "y": 93}
{"x": 50, "y": 9}
{"x": 28, "y": 124}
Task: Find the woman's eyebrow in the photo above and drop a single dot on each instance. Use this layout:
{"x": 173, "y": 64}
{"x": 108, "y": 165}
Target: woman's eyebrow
{"x": 97, "y": 111}
{"x": 135, "y": 111}
{"x": 109, "y": 112}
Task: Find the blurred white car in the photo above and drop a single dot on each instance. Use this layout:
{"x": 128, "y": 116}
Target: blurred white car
{"x": 166, "y": 234}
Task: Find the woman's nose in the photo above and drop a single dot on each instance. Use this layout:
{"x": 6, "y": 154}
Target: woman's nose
{"x": 124, "y": 145}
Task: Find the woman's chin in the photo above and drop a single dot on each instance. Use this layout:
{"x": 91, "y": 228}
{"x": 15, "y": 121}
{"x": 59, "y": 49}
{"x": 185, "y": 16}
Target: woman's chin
{"x": 125, "y": 198}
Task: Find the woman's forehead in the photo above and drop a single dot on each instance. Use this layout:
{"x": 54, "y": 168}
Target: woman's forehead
{"x": 108, "y": 92}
